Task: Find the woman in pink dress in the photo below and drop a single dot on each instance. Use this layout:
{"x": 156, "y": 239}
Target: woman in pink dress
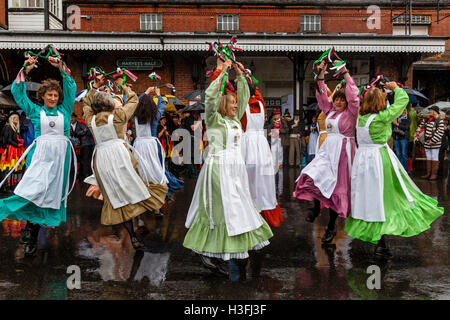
{"x": 326, "y": 179}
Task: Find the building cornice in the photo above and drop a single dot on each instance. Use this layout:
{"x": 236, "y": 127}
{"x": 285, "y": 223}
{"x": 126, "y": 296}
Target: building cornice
{"x": 263, "y": 42}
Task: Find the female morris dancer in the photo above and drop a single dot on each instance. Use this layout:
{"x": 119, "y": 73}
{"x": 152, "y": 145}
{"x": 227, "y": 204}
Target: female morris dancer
{"x": 116, "y": 170}
{"x": 326, "y": 179}
{"x": 223, "y": 221}
{"x": 258, "y": 159}
{"x": 146, "y": 118}
{"x": 385, "y": 201}
{"x": 41, "y": 195}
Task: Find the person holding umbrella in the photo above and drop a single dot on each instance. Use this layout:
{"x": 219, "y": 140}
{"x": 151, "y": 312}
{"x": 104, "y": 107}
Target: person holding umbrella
{"x": 41, "y": 195}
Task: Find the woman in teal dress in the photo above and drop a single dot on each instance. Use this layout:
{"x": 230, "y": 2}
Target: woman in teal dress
{"x": 223, "y": 220}
{"x": 41, "y": 196}
{"x": 385, "y": 201}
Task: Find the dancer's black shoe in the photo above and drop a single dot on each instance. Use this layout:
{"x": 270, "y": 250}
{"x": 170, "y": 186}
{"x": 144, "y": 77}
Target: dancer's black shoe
{"x": 30, "y": 248}
{"x": 214, "y": 265}
{"x": 137, "y": 243}
{"x": 384, "y": 253}
{"x": 26, "y": 236}
{"x": 312, "y": 214}
{"x": 329, "y": 235}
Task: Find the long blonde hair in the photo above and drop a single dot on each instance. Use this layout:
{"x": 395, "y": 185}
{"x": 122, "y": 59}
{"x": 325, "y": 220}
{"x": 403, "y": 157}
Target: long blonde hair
{"x": 15, "y": 127}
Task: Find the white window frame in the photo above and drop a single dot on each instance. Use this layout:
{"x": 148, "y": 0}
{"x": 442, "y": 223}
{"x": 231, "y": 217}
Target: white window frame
{"x": 151, "y": 21}
{"x": 227, "y": 22}
{"x": 311, "y": 22}
{"x": 26, "y": 4}
{"x": 415, "y": 19}
{"x": 54, "y": 8}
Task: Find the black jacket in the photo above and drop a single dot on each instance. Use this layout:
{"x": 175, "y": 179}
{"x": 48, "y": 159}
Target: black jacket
{"x": 83, "y": 133}
{"x": 10, "y": 137}
{"x": 402, "y": 131}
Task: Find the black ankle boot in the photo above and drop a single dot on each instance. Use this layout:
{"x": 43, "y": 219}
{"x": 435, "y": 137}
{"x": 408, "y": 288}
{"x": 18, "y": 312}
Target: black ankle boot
{"x": 256, "y": 258}
{"x": 312, "y": 214}
{"x": 26, "y": 234}
{"x": 242, "y": 265}
{"x": 384, "y": 253}
{"x": 329, "y": 235}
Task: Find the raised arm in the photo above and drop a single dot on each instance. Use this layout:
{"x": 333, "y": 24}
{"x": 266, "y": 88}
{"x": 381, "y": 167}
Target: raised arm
{"x": 243, "y": 93}
{"x": 87, "y": 110}
{"x": 401, "y": 100}
{"x": 324, "y": 102}
{"x": 351, "y": 94}
{"x": 131, "y": 102}
{"x": 213, "y": 96}
{"x": 19, "y": 91}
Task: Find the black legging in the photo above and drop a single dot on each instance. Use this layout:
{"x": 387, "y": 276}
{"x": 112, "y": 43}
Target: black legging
{"x": 332, "y": 221}
{"x": 333, "y": 214}
{"x": 128, "y": 225}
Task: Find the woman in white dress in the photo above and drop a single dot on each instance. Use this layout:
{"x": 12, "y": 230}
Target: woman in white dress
{"x": 126, "y": 194}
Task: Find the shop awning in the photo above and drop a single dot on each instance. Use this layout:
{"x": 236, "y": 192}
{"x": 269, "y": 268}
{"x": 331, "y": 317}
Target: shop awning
{"x": 258, "y": 42}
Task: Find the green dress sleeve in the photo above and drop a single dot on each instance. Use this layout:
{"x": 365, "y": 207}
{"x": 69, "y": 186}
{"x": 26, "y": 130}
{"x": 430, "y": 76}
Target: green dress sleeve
{"x": 69, "y": 91}
{"x": 19, "y": 93}
{"x": 212, "y": 100}
{"x": 243, "y": 93}
{"x": 401, "y": 100}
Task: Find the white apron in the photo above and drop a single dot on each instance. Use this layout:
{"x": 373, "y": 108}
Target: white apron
{"x": 121, "y": 182}
{"x": 323, "y": 169}
{"x": 146, "y": 146}
{"x": 42, "y": 182}
{"x": 367, "y": 177}
{"x": 276, "y": 149}
{"x": 240, "y": 213}
{"x": 313, "y": 142}
{"x": 258, "y": 160}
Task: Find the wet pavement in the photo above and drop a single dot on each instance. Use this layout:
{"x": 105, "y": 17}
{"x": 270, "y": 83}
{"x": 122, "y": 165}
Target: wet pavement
{"x": 296, "y": 266}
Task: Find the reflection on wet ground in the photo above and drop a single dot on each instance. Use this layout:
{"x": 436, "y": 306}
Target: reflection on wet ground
{"x": 296, "y": 266}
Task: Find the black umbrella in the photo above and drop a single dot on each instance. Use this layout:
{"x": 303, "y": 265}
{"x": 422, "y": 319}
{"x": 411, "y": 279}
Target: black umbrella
{"x": 196, "y": 95}
{"x": 414, "y": 95}
{"x": 174, "y": 100}
{"x": 31, "y": 87}
{"x": 7, "y": 102}
{"x": 198, "y": 106}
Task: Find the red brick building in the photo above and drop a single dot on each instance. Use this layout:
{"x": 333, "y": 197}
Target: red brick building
{"x": 280, "y": 39}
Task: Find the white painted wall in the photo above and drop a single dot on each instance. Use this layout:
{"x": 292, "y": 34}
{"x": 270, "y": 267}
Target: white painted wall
{"x": 54, "y": 24}
{"x": 26, "y": 21}
{"x": 415, "y": 30}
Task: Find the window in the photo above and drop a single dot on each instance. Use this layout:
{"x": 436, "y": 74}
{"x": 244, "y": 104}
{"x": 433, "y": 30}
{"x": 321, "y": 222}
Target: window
{"x": 151, "y": 21}
{"x": 54, "y": 8}
{"x": 414, "y": 19}
{"x": 26, "y": 3}
{"x": 227, "y": 22}
{"x": 310, "y": 22}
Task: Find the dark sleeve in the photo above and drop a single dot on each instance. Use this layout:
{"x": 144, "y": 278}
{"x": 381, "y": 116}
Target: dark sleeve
{"x": 11, "y": 137}
{"x": 405, "y": 124}
{"x": 80, "y": 130}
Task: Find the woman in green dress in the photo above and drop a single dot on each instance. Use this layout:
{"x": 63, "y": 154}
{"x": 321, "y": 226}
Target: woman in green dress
{"x": 385, "y": 201}
{"x": 223, "y": 220}
{"x": 41, "y": 195}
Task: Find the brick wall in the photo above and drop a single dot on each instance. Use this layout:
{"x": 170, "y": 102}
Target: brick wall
{"x": 107, "y": 60}
{"x": 2, "y": 15}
